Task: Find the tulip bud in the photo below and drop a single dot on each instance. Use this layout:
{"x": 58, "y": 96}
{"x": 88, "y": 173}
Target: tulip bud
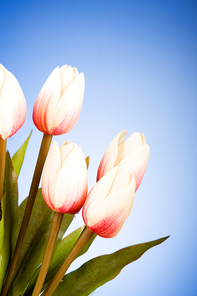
{"x": 132, "y": 154}
{"x": 12, "y": 104}
{"x": 109, "y": 203}
{"x": 59, "y": 102}
{"x": 64, "y": 181}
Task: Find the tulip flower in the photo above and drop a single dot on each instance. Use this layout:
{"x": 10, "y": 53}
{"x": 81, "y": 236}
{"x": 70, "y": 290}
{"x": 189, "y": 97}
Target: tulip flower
{"x": 132, "y": 154}
{"x": 64, "y": 182}
{"x": 12, "y": 104}
{"x": 59, "y": 102}
{"x": 109, "y": 203}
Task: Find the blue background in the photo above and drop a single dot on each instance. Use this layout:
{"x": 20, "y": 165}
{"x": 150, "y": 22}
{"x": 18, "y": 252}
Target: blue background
{"x": 139, "y": 59}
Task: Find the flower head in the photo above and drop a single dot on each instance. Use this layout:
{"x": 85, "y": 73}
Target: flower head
{"x": 132, "y": 155}
{"x": 59, "y": 102}
{"x": 109, "y": 203}
{"x": 12, "y": 104}
{"x": 64, "y": 181}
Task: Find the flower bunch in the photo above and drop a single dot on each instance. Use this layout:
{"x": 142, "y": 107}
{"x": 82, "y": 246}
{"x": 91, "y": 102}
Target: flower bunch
{"x": 35, "y": 256}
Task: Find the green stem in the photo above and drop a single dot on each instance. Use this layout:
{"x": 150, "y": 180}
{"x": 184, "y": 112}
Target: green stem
{"x": 2, "y": 164}
{"x": 56, "y": 223}
{"x": 81, "y": 242}
{"x": 46, "y": 141}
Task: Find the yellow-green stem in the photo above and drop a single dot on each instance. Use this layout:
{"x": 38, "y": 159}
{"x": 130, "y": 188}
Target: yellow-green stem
{"x": 56, "y": 223}
{"x": 2, "y": 164}
{"x": 81, "y": 242}
{"x": 46, "y": 142}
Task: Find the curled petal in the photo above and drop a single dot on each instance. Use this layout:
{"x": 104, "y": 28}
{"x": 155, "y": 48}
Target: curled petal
{"x": 136, "y": 162}
{"x": 121, "y": 151}
{"x": 135, "y": 140}
{"x": 109, "y": 158}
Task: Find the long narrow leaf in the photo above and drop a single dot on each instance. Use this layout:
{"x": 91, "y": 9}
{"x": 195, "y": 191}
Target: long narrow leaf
{"x": 100, "y": 270}
{"x": 9, "y": 222}
{"x": 35, "y": 243}
{"x": 11, "y": 187}
{"x": 39, "y": 213}
{"x": 5, "y": 246}
{"x": 61, "y": 251}
{"x": 18, "y": 157}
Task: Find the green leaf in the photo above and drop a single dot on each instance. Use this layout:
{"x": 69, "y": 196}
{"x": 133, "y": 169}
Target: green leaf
{"x": 60, "y": 253}
{"x": 100, "y": 270}
{"x": 39, "y": 213}
{"x": 5, "y": 246}
{"x": 18, "y": 157}
{"x": 35, "y": 242}
{"x": 9, "y": 222}
{"x": 12, "y": 195}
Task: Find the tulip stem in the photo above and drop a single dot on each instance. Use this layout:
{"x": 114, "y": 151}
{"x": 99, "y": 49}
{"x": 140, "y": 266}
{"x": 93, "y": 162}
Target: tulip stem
{"x": 81, "y": 242}
{"x": 56, "y": 223}
{"x": 46, "y": 141}
{"x": 2, "y": 164}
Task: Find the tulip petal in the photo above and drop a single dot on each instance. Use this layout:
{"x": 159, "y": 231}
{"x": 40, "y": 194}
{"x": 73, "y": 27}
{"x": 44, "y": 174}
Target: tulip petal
{"x": 122, "y": 179}
{"x": 3, "y": 73}
{"x": 109, "y": 158}
{"x": 46, "y": 102}
{"x": 67, "y": 75}
{"x": 136, "y": 162}
{"x": 71, "y": 185}
{"x": 109, "y": 216}
{"x": 12, "y": 107}
{"x": 99, "y": 191}
{"x": 134, "y": 141}
{"x": 50, "y": 174}
{"x": 69, "y": 107}
{"x": 66, "y": 150}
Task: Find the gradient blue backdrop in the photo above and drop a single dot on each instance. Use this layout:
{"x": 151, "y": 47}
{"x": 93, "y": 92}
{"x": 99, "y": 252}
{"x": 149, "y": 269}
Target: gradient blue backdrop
{"x": 139, "y": 59}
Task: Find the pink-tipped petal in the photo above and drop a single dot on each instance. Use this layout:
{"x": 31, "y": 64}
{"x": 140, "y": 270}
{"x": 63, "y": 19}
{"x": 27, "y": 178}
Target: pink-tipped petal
{"x": 67, "y": 75}
{"x": 99, "y": 191}
{"x": 131, "y": 143}
{"x": 46, "y": 102}
{"x": 71, "y": 185}
{"x": 64, "y": 182}
{"x": 136, "y": 162}
{"x": 12, "y": 107}
{"x": 69, "y": 107}
{"x": 66, "y": 149}
{"x": 59, "y": 102}
{"x": 109, "y": 214}
{"x": 109, "y": 158}
{"x": 50, "y": 174}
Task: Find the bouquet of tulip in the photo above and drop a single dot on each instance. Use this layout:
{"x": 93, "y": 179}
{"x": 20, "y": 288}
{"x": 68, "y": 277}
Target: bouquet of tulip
{"x": 35, "y": 253}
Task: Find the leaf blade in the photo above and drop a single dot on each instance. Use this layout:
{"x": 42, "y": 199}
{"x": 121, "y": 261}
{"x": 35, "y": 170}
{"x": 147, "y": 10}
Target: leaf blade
{"x": 9, "y": 221}
{"x": 35, "y": 242}
{"x": 100, "y": 270}
{"x": 61, "y": 251}
{"x": 18, "y": 157}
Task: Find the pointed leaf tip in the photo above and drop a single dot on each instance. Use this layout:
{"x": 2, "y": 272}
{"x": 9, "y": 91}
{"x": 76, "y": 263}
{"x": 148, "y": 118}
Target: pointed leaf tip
{"x": 18, "y": 157}
{"x": 100, "y": 270}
